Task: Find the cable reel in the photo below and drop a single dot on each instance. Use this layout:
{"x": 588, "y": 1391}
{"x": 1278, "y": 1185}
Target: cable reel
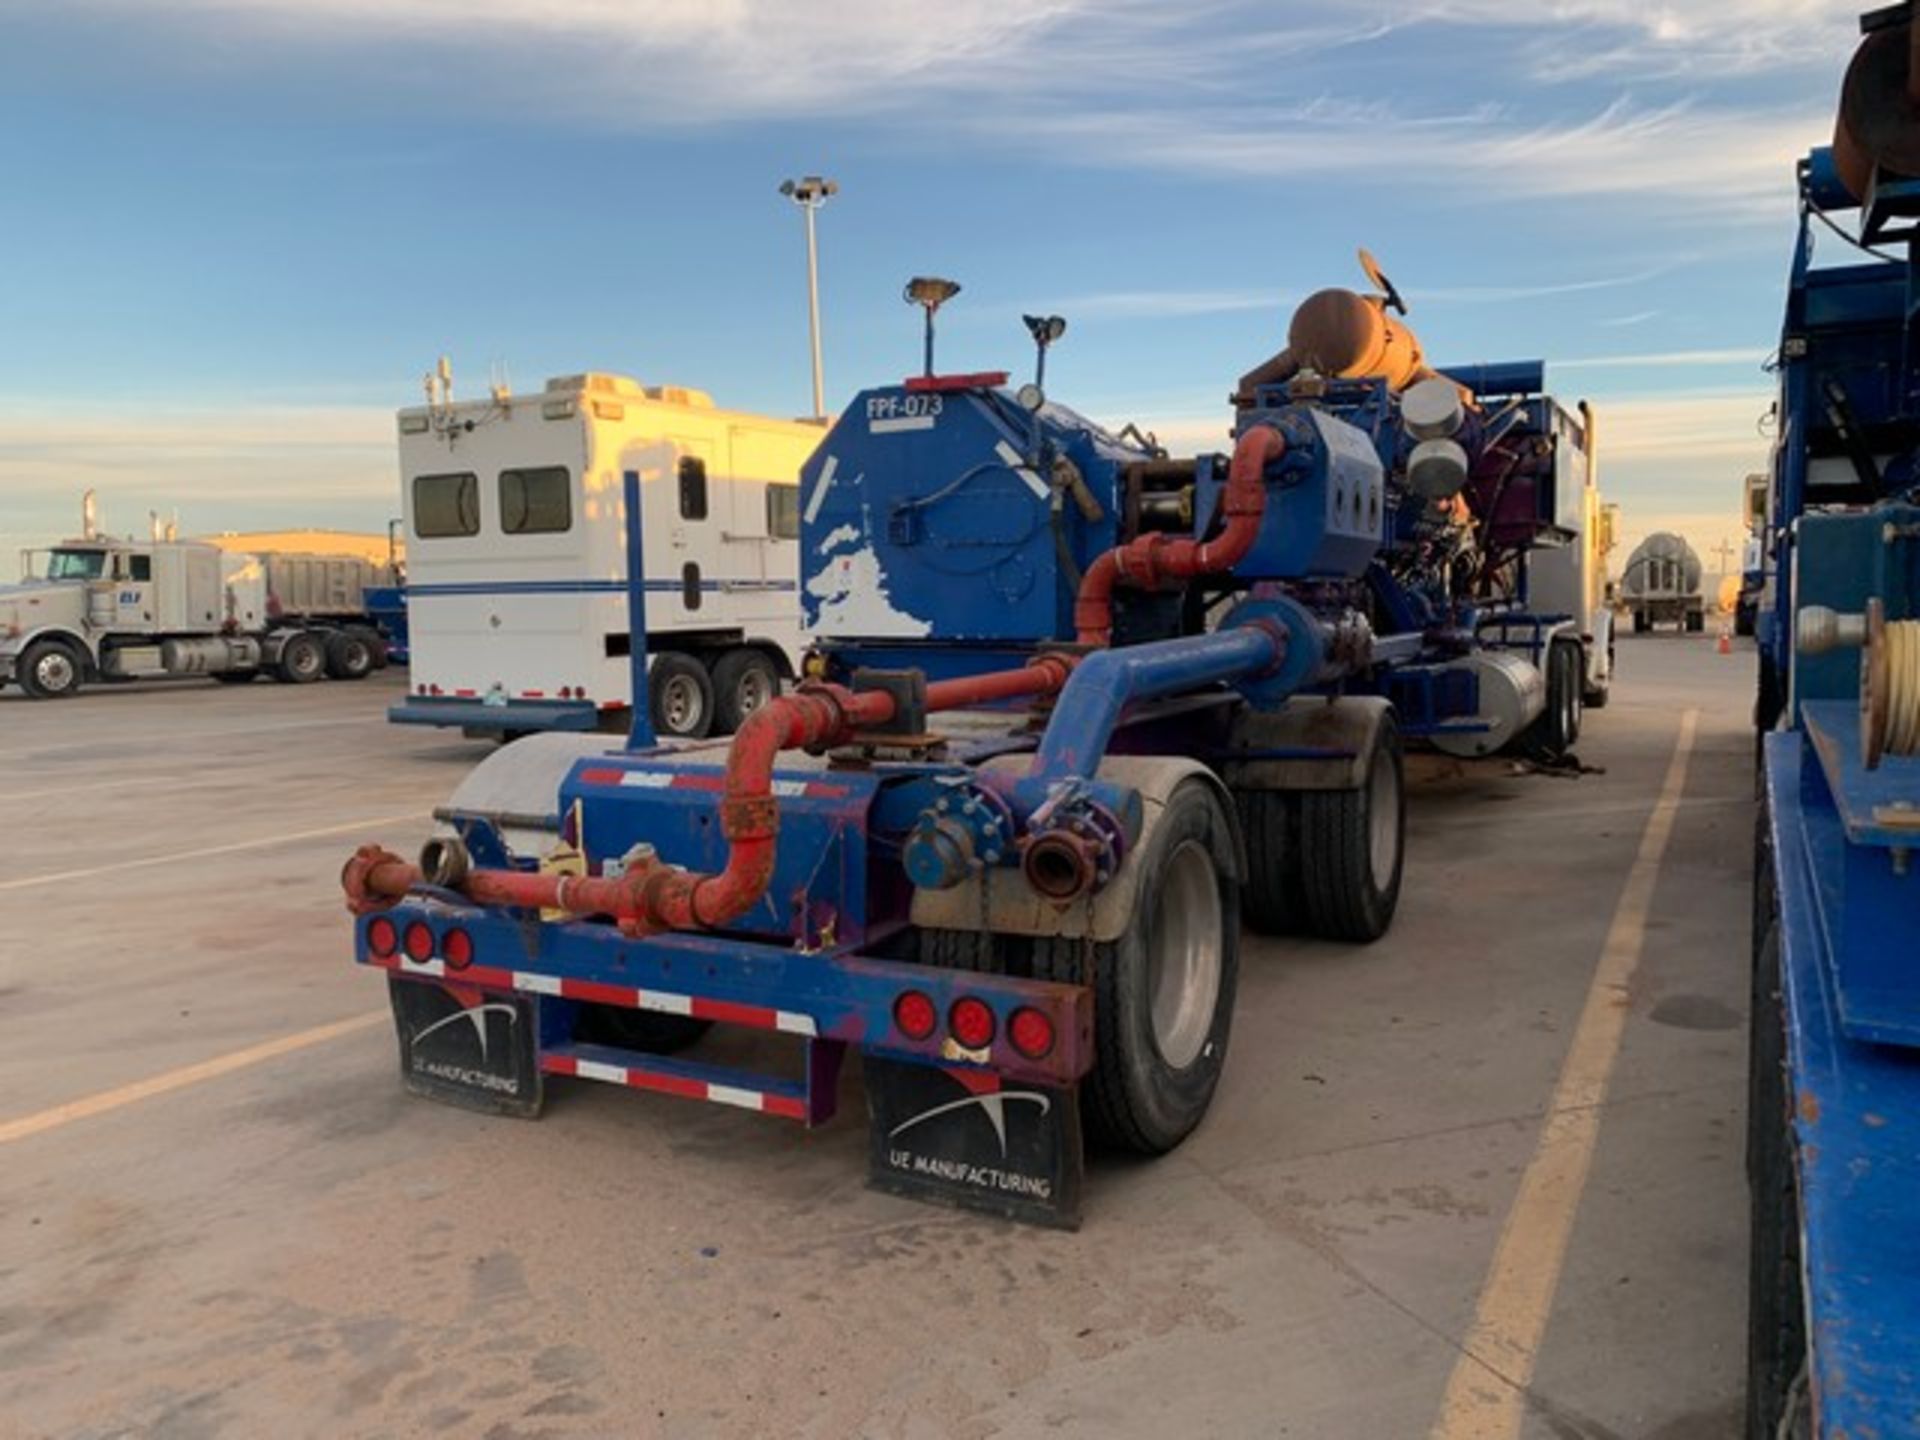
{"x": 1889, "y": 673}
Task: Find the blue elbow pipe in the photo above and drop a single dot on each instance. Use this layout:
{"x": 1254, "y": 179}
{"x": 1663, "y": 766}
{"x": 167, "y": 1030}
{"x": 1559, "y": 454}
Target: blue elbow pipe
{"x": 1078, "y": 830}
{"x": 1106, "y": 682}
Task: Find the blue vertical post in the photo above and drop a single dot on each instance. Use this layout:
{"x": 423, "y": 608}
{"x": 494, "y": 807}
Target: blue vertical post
{"x": 640, "y": 734}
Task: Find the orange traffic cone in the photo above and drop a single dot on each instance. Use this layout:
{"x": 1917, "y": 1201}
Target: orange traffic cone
{"x": 1725, "y": 646}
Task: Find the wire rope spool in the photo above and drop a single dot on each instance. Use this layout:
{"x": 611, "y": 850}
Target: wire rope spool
{"x": 1889, "y": 686}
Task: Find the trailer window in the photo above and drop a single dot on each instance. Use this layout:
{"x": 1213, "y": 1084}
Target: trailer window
{"x": 690, "y": 585}
{"x": 139, "y": 567}
{"x": 536, "y": 502}
{"x": 693, "y": 488}
{"x": 446, "y": 505}
{"x": 783, "y": 512}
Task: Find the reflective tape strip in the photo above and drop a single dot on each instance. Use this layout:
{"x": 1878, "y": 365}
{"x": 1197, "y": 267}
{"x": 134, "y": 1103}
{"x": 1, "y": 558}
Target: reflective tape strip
{"x": 819, "y": 496}
{"x": 794, "y": 1024}
{"x": 661, "y": 1001}
{"x": 537, "y": 984}
{"x": 1017, "y": 463}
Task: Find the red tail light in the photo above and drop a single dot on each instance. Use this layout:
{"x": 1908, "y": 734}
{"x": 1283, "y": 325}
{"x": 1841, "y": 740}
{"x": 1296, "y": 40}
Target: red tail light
{"x": 456, "y": 948}
{"x": 914, "y": 1014}
{"x": 1031, "y": 1033}
{"x": 419, "y": 942}
{"x": 382, "y": 938}
{"x": 972, "y": 1022}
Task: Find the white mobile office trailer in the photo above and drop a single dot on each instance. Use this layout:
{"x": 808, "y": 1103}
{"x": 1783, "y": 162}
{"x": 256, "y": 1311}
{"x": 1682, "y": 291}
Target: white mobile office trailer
{"x": 517, "y": 571}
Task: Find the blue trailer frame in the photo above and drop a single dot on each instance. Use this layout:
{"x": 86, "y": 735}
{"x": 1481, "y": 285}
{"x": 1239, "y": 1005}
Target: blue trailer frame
{"x": 1834, "y": 1103}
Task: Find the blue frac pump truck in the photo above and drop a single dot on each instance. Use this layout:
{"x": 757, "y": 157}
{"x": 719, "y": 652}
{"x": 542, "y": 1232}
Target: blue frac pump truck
{"x": 1834, "y": 1129}
{"x": 1074, "y": 707}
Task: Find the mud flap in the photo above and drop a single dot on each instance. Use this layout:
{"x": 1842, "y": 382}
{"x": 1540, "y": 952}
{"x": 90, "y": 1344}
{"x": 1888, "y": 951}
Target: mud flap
{"x": 466, "y": 1046}
{"x": 961, "y": 1136}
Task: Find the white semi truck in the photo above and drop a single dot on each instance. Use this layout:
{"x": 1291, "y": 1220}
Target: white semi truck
{"x": 516, "y": 538}
{"x": 102, "y": 608}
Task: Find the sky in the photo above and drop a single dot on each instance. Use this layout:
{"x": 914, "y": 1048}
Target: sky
{"x": 238, "y": 232}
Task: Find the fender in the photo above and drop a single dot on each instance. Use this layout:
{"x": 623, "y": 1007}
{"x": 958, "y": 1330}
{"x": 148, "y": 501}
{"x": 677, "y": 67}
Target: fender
{"x": 999, "y": 899}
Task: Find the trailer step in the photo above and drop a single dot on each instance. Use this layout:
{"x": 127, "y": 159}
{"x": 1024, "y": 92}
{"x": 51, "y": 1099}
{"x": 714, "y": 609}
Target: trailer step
{"x": 809, "y": 1103}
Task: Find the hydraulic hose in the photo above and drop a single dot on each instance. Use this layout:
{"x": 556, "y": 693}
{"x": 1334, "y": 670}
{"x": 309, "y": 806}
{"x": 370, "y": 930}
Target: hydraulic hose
{"x": 1150, "y": 560}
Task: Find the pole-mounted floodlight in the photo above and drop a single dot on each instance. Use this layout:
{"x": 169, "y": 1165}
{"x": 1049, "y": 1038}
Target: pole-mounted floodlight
{"x": 929, "y": 292}
{"x": 1045, "y": 329}
{"x": 810, "y": 192}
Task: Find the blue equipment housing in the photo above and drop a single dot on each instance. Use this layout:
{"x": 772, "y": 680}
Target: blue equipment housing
{"x": 1836, "y": 1087}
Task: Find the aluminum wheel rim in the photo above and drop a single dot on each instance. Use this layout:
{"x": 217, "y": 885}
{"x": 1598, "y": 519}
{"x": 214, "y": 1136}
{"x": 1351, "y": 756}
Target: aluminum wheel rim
{"x": 680, "y": 704}
{"x": 1184, "y": 955}
{"x": 54, "y": 670}
{"x": 1383, "y": 821}
{"x": 752, "y": 692}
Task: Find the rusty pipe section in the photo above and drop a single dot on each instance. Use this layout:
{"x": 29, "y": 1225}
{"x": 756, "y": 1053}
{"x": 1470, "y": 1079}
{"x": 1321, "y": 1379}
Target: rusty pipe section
{"x": 1149, "y": 560}
{"x": 650, "y": 896}
{"x": 1878, "y": 121}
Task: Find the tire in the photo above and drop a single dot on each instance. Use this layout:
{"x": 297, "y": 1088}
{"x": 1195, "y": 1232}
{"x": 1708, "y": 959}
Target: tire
{"x": 680, "y": 694}
{"x": 1641, "y": 624}
{"x": 50, "y": 670}
{"x": 236, "y": 677}
{"x": 376, "y": 644}
{"x": 979, "y": 951}
{"x": 648, "y": 1031}
{"x": 349, "y": 657}
{"x": 1273, "y": 900}
{"x": 1743, "y": 619}
{"x": 1776, "y": 1316}
{"x": 743, "y": 681}
{"x": 1152, "y": 1080}
{"x": 1558, "y": 728}
{"x": 1353, "y": 848}
{"x": 1696, "y": 622}
{"x": 303, "y": 659}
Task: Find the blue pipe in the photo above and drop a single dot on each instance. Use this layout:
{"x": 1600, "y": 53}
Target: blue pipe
{"x": 1107, "y": 681}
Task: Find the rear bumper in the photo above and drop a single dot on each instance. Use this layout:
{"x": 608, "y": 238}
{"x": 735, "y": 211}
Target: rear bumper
{"x": 466, "y": 714}
{"x": 826, "y": 998}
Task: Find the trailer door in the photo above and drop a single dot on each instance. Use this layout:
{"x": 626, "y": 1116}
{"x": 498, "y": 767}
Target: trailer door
{"x": 693, "y": 557}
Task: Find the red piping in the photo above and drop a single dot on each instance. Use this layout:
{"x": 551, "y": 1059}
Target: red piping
{"x": 1148, "y": 561}
{"x": 653, "y": 898}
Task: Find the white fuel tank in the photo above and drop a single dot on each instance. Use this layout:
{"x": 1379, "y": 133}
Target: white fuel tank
{"x": 1513, "y": 692}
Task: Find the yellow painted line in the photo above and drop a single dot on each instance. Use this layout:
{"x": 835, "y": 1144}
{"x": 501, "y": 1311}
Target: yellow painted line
{"x": 38, "y": 1124}
{"x": 1486, "y": 1394}
{"x": 27, "y": 882}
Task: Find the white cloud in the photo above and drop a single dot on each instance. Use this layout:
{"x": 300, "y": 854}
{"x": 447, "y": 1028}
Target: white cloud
{"x": 262, "y": 467}
{"x": 1665, "y": 359}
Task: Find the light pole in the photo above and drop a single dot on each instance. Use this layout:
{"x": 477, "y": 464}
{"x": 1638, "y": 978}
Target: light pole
{"x": 810, "y": 192}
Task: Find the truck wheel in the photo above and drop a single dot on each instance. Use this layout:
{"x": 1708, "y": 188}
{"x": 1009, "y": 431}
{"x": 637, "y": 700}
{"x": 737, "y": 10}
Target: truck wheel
{"x": 1273, "y": 899}
{"x": 1163, "y": 992}
{"x": 1352, "y": 845}
{"x": 743, "y": 681}
{"x": 303, "y": 659}
{"x": 1558, "y": 727}
{"x": 1641, "y": 624}
{"x": 376, "y": 644}
{"x": 50, "y": 670}
{"x": 681, "y": 695}
{"x": 1776, "y": 1324}
{"x": 349, "y": 657}
{"x": 648, "y": 1031}
{"x": 1696, "y": 621}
